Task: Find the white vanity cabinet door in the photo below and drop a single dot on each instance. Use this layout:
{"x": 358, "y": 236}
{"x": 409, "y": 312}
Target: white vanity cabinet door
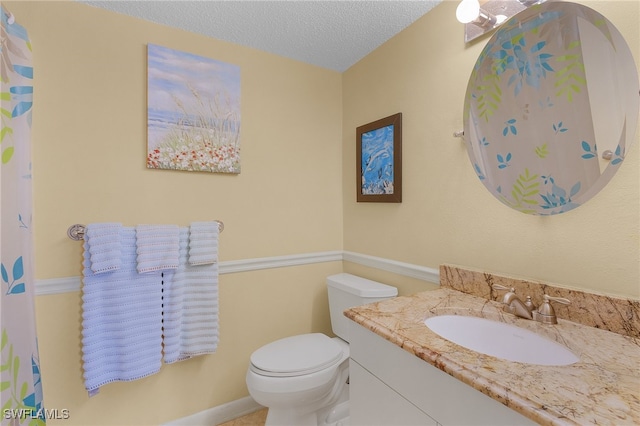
{"x": 373, "y": 403}
{"x": 438, "y": 395}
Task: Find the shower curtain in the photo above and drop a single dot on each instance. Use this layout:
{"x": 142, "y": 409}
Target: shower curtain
{"x": 20, "y": 385}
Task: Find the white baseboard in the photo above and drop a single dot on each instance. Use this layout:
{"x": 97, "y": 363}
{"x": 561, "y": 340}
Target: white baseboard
{"x": 71, "y": 284}
{"x": 220, "y": 414}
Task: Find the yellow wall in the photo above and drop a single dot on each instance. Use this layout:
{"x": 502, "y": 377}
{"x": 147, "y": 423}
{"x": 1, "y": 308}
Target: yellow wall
{"x": 296, "y": 193}
{"x": 447, "y": 215}
{"x": 89, "y": 137}
{"x": 89, "y": 152}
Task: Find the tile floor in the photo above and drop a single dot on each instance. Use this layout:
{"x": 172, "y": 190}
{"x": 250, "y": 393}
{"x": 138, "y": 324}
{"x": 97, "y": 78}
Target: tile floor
{"x": 254, "y": 419}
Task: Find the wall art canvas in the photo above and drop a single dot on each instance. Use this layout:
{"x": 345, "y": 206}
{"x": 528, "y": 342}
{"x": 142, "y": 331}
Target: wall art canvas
{"x": 193, "y": 112}
{"x": 379, "y": 160}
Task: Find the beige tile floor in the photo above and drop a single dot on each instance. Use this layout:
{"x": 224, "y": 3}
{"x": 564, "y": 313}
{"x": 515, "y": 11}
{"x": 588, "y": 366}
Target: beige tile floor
{"x": 254, "y": 419}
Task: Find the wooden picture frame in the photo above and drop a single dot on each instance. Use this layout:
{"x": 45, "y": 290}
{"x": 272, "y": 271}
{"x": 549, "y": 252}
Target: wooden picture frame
{"x": 379, "y": 160}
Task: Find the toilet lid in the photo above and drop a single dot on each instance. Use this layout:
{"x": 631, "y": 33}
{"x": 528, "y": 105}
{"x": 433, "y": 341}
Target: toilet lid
{"x": 297, "y": 355}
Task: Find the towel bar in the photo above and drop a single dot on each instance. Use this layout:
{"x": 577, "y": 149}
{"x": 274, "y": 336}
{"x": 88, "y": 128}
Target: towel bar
{"x": 76, "y": 231}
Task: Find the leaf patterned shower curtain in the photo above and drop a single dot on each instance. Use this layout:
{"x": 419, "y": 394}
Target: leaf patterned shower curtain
{"x": 20, "y": 386}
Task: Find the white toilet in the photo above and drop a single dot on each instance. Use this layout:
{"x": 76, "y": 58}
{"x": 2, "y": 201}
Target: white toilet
{"x": 303, "y": 379}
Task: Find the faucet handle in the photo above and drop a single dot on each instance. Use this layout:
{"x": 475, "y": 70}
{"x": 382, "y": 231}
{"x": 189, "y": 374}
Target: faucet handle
{"x": 557, "y": 299}
{"x": 511, "y": 292}
{"x": 501, "y": 287}
{"x": 546, "y": 313}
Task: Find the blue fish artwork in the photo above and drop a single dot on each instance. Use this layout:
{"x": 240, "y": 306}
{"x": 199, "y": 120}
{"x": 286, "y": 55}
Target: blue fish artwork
{"x": 377, "y": 161}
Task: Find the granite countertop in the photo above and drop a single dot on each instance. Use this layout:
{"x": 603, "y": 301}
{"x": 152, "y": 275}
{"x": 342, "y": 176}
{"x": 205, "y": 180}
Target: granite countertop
{"x": 602, "y": 388}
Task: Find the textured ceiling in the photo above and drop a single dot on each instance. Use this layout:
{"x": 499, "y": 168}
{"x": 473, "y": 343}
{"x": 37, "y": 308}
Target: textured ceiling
{"x": 330, "y": 34}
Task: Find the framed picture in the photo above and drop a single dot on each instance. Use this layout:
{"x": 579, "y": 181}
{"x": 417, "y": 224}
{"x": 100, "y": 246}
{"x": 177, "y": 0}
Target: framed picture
{"x": 193, "y": 112}
{"x": 379, "y": 160}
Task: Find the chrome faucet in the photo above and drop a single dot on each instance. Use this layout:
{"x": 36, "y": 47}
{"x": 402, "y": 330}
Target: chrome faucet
{"x": 514, "y": 305}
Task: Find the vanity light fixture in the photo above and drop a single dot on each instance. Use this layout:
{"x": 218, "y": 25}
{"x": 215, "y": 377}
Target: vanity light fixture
{"x": 482, "y": 16}
{"x": 470, "y": 12}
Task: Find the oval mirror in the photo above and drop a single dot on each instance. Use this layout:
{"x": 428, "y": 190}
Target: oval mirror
{"x": 551, "y": 108}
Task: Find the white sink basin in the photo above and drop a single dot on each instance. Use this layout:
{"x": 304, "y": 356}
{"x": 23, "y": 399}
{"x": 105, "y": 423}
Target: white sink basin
{"x": 500, "y": 340}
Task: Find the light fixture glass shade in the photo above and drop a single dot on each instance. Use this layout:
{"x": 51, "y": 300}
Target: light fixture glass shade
{"x": 468, "y": 11}
{"x": 479, "y": 19}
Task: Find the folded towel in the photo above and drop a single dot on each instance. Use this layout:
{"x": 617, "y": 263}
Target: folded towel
{"x": 203, "y": 243}
{"x": 103, "y": 241}
{"x": 157, "y": 247}
{"x": 121, "y": 320}
{"x": 190, "y": 317}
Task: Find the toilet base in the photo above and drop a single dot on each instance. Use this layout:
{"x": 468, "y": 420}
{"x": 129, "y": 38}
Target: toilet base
{"x": 337, "y": 414}
{"x": 283, "y": 417}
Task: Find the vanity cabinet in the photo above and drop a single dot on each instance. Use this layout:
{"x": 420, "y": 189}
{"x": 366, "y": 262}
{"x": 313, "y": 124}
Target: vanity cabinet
{"x": 391, "y": 387}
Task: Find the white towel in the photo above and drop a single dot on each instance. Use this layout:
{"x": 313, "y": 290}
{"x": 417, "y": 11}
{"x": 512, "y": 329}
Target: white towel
{"x": 103, "y": 240}
{"x": 121, "y": 320}
{"x": 203, "y": 243}
{"x": 190, "y": 317}
{"x": 157, "y": 247}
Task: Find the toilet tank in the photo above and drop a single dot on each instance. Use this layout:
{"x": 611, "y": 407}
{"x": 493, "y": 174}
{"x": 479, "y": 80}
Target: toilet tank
{"x": 347, "y": 291}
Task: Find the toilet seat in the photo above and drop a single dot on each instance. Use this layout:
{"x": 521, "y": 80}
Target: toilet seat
{"x": 296, "y": 356}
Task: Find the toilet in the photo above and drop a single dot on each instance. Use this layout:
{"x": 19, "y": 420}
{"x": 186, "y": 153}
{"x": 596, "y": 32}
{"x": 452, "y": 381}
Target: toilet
{"x": 303, "y": 379}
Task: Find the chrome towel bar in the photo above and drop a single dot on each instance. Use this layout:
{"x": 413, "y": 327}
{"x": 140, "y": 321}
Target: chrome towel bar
{"x": 76, "y": 231}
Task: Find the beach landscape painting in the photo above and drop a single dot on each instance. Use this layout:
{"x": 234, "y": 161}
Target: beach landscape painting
{"x": 193, "y": 112}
